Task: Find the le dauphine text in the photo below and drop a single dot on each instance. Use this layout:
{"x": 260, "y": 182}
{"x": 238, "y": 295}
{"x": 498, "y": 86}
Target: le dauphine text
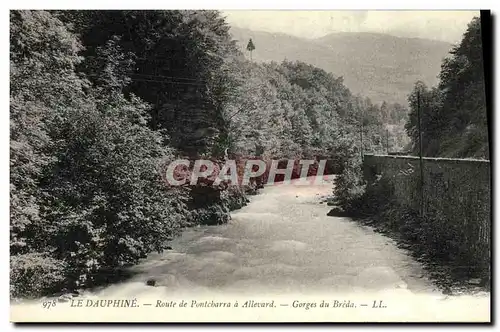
{"x": 132, "y": 303}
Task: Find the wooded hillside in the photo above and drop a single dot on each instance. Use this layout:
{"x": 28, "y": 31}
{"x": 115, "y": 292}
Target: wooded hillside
{"x": 453, "y": 114}
{"x": 103, "y": 101}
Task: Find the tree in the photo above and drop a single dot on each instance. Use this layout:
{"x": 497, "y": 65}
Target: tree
{"x": 43, "y": 57}
{"x": 86, "y": 190}
{"x": 431, "y": 124}
{"x": 250, "y": 47}
{"x": 181, "y": 67}
{"x": 454, "y": 121}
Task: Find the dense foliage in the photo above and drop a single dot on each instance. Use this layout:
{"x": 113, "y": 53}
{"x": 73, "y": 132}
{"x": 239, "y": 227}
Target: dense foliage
{"x": 453, "y": 114}
{"x": 85, "y": 191}
{"x": 295, "y": 110}
{"x": 102, "y": 101}
{"x": 453, "y": 124}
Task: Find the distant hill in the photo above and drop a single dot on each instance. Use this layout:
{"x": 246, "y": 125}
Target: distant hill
{"x": 378, "y": 66}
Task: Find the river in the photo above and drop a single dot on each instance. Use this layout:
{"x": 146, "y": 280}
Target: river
{"x": 283, "y": 244}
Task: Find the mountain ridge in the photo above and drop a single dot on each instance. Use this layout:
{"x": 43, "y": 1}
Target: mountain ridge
{"x": 380, "y": 66}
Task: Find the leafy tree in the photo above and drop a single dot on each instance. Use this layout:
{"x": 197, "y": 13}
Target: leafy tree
{"x": 431, "y": 123}
{"x": 250, "y": 47}
{"x": 180, "y": 67}
{"x": 85, "y": 179}
{"x": 454, "y": 121}
{"x": 43, "y": 56}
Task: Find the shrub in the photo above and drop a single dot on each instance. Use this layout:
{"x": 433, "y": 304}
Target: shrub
{"x": 34, "y": 274}
{"x": 350, "y": 187}
{"x": 234, "y": 198}
{"x": 105, "y": 198}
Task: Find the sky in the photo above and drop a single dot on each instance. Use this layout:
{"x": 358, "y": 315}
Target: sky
{"x": 439, "y": 25}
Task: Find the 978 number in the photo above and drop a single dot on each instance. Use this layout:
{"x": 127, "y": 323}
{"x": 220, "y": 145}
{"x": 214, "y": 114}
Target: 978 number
{"x": 48, "y": 304}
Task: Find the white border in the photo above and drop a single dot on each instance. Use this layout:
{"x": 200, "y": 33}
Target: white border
{"x": 256, "y": 4}
{"x": 186, "y": 4}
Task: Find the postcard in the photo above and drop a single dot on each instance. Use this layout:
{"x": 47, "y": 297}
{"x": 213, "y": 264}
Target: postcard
{"x": 250, "y": 166}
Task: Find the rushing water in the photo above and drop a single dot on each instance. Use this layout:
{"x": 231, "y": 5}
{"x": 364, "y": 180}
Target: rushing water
{"x": 281, "y": 243}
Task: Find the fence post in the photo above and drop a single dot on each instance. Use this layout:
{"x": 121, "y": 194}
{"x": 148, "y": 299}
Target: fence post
{"x": 419, "y": 124}
{"x": 387, "y": 141}
{"x": 361, "y": 135}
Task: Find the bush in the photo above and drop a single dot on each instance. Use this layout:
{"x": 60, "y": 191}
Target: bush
{"x": 211, "y": 205}
{"x": 350, "y": 187}
{"x": 34, "y": 275}
{"x": 234, "y": 198}
{"x": 105, "y": 198}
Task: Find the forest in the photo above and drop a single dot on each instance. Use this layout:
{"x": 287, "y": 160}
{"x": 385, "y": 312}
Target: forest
{"x": 102, "y": 101}
{"x": 453, "y": 119}
{"x": 453, "y": 114}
